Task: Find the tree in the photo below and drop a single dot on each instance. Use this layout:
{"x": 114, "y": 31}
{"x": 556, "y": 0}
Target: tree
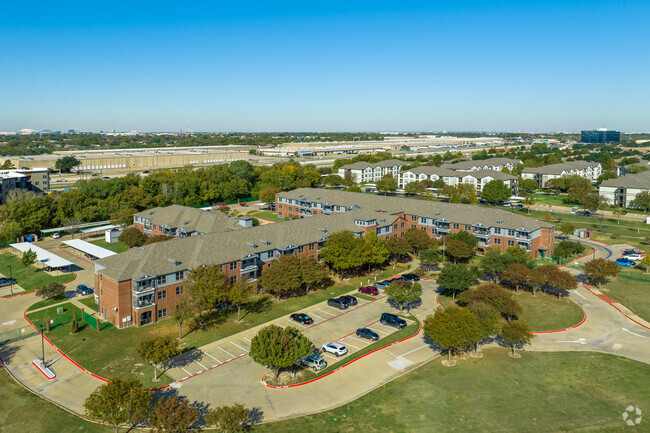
{"x": 132, "y": 237}
{"x": 439, "y": 184}
{"x": 516, "y": 333}
{"x": 398, "y": 247}
{"x": 404, "y": 294}
{"x": 313, "y": 275}
{"x": 599, "y": 270}
{"x": 516, "y": 275}
{"x": 172, "y": 414}
{"x": 567, "y": 229}
{"x": 430, "y": 256}
{"x": 376, "y": 247}
{"x": 559, "y": 280}
{"x": 66, "y": 164}
{"x": 457, "y": 277}
{"x": 496, "y": 191}
{"x": 28, "y": 259}
{"x": 267, "y": 195}
{"x": 517, "y": 254}
{"x": 123, "y": 217}
{"x": 228, "y": 418}
{"x": 529, "y": 185}
{"x": 156, "y": 350}
{"x": 73, "y": 225}
{"x": 344, "y": 250}
{"x": 9, "y": 231}
{"x": 181, "y": 313}
{"x": 466, "y": 237}
{"x": 17, "y": 195}
{"x": 414, "y": 188}
{"x": 493, "y": 262}
{"x": 282, "y": 277}
{"x": 642, "y": 200}
{"x": 7, "y": 165}
{"x": 207, "y": 286}
{"x": 646, "y": 261}
{"x": 593, "y": 201}
{"x": 494, "y": 295}
{"x": 240, "y": 292}
{"x": 118, "y": 402}
{"x": 387, "y": 183}
{"x": 458, "y": 250}
{"x": 332, "y": 179}
{"x": 418, "y": 239}
{"x": 568, "y": 248}
{"x": 488, "y": 319}
{"x": 279, "y": 348}
{"x": 548, "y": 217}
{"x": 452, "y": 329}
{"x": 580, "y": 187}
{"x": 50, "y": 290}
{"x": 618, "y": 211}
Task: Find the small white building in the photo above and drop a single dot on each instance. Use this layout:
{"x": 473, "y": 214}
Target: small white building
{"x": 362, "y": 172}
{"x": 111, "y": 235}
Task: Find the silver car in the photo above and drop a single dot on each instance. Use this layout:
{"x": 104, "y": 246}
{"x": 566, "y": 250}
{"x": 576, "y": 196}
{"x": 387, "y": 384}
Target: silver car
{"x": 335, "y": 348}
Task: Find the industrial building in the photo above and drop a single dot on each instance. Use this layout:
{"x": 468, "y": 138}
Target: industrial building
{"x": 601, "y": 135}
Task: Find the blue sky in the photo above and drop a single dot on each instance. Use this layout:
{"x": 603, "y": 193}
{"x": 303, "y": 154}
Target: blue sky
{"x": 325, "y": 66}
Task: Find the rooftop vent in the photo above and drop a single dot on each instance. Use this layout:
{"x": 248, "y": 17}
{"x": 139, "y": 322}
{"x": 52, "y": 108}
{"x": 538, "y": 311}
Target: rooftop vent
{"x": 175, "y": 262}
{"x": 253, "y": 246}
{"x": 499, "y": 222}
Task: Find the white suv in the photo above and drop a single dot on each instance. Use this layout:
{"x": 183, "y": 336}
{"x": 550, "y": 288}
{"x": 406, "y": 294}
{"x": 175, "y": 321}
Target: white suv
{"x": 336, "y": 348}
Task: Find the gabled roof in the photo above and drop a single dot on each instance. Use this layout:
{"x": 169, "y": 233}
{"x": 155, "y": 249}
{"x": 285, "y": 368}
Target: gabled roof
{"x": 190, "y": 219}
{"x": 638, "y": 181}
{"x": 467, "y": 165}
{"x": 561, "y": 168}
{"x": 363, "y": 165}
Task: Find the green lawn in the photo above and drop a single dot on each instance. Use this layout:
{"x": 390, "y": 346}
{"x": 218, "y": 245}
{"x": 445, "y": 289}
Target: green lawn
{"x": 28, "y": 281}
{"x": 90, "y": 303}
{"x": 267, "y": 215}
{"x": 633, "y": 293}
{"x": 541, "y": 392}
{"x": 46, "y": 302}
{"x": 116, "y": 247}
{"x": 112, "y": 352}
{"x": 550, "y": 199}
{"x": 50, "y": 313}
{"x": 542, "y": 312}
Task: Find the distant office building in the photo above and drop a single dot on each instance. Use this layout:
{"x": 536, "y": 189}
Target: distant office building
{"x": 35, "y": 180}
{"x": 601, "y": 135}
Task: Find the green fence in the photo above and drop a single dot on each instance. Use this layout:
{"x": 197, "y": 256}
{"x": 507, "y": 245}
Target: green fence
{"x": 17, "y": 334}
{"x": 636, "y": 276}
{"x": 54, "y": 323}
{"x": 92, "y": 322}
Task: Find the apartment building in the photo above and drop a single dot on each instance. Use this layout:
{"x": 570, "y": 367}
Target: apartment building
{"x": 623, "y": 190}
{"x": 476, "y": 178}
{"x": 184, "y": 221}
{"x": 364, "y": 172}
{"x": 495, "y": 164}
{"x": 586, "y": 169}
{"x": 36, "y": 180}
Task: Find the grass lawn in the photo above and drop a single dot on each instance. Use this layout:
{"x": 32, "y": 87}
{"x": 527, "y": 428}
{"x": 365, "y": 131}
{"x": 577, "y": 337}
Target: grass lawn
{"x": 542, "y": 312}
{"x": 90, "y": 303}
{"x": 116, "y": 247}
{"x": 633, "y": 293}
{"x": 50, "y": 313}
{"x": 550, "y": 199}
{"x": 112, "y": 352}
{"x": 46, "y": 302}
{"x": 541, "y": 392}
{"x": 35, "y": 277}
{"x": 267, "y": 215}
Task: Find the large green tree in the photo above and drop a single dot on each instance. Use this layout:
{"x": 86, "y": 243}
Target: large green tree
{"x": 313, "y": 275}
{"x": 240, "y": 292}
{"x": 458, "y": 250}
{"x": 344, "y": 251}
{"x": 282, "y": 277}
{"x": 418, "y": 239}
{"x": 28, "y": 259}
{"x": 457, "y": 277}
{"x": 403, "y": 295}
{"x": 516, "y": 333}
{"x": 132, "y": 237}
{"x": 172, "y": 415}
{"x": 642, "y": 200}
{"x": 228, "y": 419}
{"x": 398, "y": 247}
{"x": 118, "y": 402}
{"x": 580, "y": 187}
{"x": 494, "y": 295}
{"x": 493, "y": 262}
{"x": 488, "y": 318}
{"x": 376, "y": 247}
{"x": 66, "y": 163}
{"x": 207, "y": 286}
{"x": 453, "y": 329}
{"x": 496, "y": 191}
{"x": 279, "y": 348}
{"x": 157, "y": 350}
{"x": 387, "y": 183}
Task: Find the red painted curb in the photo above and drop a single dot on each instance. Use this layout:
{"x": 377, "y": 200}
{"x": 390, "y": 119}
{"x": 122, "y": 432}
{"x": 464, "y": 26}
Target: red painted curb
{"x": 565, "y": 329}
{"x": 617, "y": 309}
{"x": 16, "y": 295}
{"x": 577, "y": 258}
{"x": 48, "y": 378}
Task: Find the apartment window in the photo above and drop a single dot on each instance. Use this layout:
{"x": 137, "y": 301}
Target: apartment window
{"x": 395, "y": 226}
{"x": 161, "y": 279}
{"x": 511, "y": 232}
{"x": 413, "y": 226}
{"x": 423, "y": 228}
{"x": 162, "y": 294}
{"x": 301, "y": 249}
{"x": 468, "y": 227}
{"x": 233, "y": 266}
{"x": 497, "y": 241}
{"x": 280, "y": 213}
{"x": 497, "y": 231}
{"x": 162, "y": 313}
{"x": 456, "y": 226}
{"x": 233, "y": 279}
{"x": 413, "y": 218}
{"x": 311, "y": 247}
{"x": 280, "y": 206}
{"x": 179, "y": 290}
{"x": 179, "y": 275}
{"x": 511, "y": 243}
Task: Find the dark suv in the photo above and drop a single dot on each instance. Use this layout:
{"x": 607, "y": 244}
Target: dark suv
{"x": 350, "y": 300}
{"x": 337, "y": 303}
{"x": 411, "y": 277}
{"x": 392, "y": 320}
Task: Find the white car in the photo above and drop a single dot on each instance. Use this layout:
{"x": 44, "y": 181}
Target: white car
{"x": 336, "y": 348}
{"x": 56, "y": 235}
{"x": 633, "y": 256}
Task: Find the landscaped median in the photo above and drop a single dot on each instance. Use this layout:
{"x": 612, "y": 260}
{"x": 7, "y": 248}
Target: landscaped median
{"x": 306, "y": 376}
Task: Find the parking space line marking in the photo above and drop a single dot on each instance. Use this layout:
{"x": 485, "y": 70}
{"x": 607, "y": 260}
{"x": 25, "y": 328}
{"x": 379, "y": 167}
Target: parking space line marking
{"x": 377, "y": 330}
{"x": 247, "y": 339}
{"x": 229, "y": 354}
{"x": 355, "y": 338}
{"x": 212, "y": 357}
{"x": 197, "y": 362}
{"x": 316, "y": 316}
{"x": 280, "y": 325}
{"x": 296, "y": 323}
{"x": 245, "y": 351}
{"x": 182, "y": 368}
{"x": 348, "y": 344}
{"x": 329, "y": 314}
{"x": 411, "y": 351}
{"x": 329, "y": 356}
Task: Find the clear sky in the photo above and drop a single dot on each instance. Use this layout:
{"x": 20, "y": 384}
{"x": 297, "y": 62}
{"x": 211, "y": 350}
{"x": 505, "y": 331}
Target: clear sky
{"x": 325, "y": 65}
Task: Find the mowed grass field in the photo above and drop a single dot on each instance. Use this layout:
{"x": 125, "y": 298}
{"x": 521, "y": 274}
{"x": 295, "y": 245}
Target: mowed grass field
{"x": 633, "y": 293}
{"x": 29, "y": 278}
{"x": 540, "y": 392}
{"x": 116, "y": 247}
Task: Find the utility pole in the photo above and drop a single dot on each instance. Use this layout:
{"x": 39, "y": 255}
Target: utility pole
{"x": 42, "y": 346}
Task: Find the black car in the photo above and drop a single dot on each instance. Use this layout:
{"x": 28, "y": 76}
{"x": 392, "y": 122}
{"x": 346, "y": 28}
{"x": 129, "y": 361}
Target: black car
{"x": 411, "y": 277}
{"x": 388, "y": 319}
{"x": 351, "y": 300}
{"x": 302, "y": 318}
{"x": 7, "y": 281}
{"x": 367, "y": 333}
{"x": 337, "y": 303}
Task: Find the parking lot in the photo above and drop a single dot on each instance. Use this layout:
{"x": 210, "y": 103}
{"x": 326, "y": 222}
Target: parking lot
{"x": 330, "y": 324}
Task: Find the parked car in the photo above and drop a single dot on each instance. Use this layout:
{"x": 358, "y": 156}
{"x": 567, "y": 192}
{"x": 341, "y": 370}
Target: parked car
{"x": 351, "y": 300}
{"x": 381, "y": 284}
{"x": 367, "y": 333}
{"x": 314, "y": 362}
{"x": 337, "y": 303}
{"x": 336, "y": 348}
{"x": 369, "y": 290}
{"x": 84, "y": 290}
{"x": 302, "y": 318}
{"x": 243, "y": 204}
{"x": 625, "y": 262}
{"x": 633, "y": 250}
{"x": 633, "y": 256}
{"x": 393, "y": 320}
{"x": 56, "y": 235}
{"x": 411, "y": 277}
{"x": 7, "y": 281}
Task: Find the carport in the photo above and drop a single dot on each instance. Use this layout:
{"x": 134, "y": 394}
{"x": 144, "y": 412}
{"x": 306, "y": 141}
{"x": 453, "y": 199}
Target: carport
{"x": 92, "y": 251}
{"x": 47, "y": 258}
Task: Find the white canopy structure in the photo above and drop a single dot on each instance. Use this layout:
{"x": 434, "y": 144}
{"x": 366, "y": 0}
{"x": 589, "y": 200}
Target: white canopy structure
{"x": 98, "y": 229}
{"x": 88, "y": 248}
{"x": 44, "y": 256}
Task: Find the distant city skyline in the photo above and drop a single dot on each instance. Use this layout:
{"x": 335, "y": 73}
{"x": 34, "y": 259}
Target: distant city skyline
{"x": 293, "y": 66}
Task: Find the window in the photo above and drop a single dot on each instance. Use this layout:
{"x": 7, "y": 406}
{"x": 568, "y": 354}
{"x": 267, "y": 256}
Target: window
{"x": 468, "y": 227}
{"x": 162, "y": 294}
{"x": 402, "y": 225}
{"x": 233, "y": 279}
{"x": 395, "y": 226}
{"x": 280, "y": 213}
{"x": 161, "y": 280}
{"x": 179, "y": 290}
{"x": 511, "y": 232}
{"x": 301, "y": 249}
{"x": 413, "y": 226}
{"x": 497, "y": 231}
{"x": 413, "y": 218}
{"x": 455, "y": 226}
{"x": 511, "y": 243}
{"x": 311, "y": 247}
{"x": 179, "y": 275}
{"x": 233, "y": 266}
{"x": 162, "y": 313}
{"x": 280, "y": 206}
{"x": 497, "y": 241}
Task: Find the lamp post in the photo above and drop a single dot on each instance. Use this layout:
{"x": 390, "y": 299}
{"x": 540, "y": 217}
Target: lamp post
{"x": 11, "y": 279}
{"x": 42, "y": 345}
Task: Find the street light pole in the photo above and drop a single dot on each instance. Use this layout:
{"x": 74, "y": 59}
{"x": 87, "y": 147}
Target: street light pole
{"x": 42, "y": 346}
{"x": 11, "y": 279}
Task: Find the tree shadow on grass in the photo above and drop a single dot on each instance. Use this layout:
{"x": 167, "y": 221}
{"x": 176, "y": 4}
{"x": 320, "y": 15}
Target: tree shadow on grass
{"x": 258, "y": 305}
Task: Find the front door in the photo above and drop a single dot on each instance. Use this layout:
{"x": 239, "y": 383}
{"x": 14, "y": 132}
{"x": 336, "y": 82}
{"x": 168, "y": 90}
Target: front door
{"x": 145, "y": 318}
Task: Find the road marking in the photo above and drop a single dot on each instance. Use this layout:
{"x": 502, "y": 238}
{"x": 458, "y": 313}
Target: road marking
{"x": 296, "y": 323}
{"x": 280, "y": 325}
{"x": 348, "y": 344}
{"x": 580, "y": 340}
{"x": 576, "y": 292}
{"x": 385, "y": 326}
{"x": 245, "y": 351}
{"x": 182, "y": 368}
{"x": 197, "y": 362}
{"x": 11, "y": 322}
{"x": 212, "y": 357}
{"x": 630, "y": 332}
{"x": 329, "y": 314}
{"x": 329, "y": 356}
{"x": 229, "y": 354}
{"x": 247, "y": 339}
{"x": 355, "y": 338}
{"x": 382, "y": 332}
{"x": 411, "y": 351}
{"x": 316, "y": 316}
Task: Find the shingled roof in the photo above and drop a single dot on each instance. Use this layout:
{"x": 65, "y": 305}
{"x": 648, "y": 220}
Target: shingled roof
{"x": 190, "y": 219}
